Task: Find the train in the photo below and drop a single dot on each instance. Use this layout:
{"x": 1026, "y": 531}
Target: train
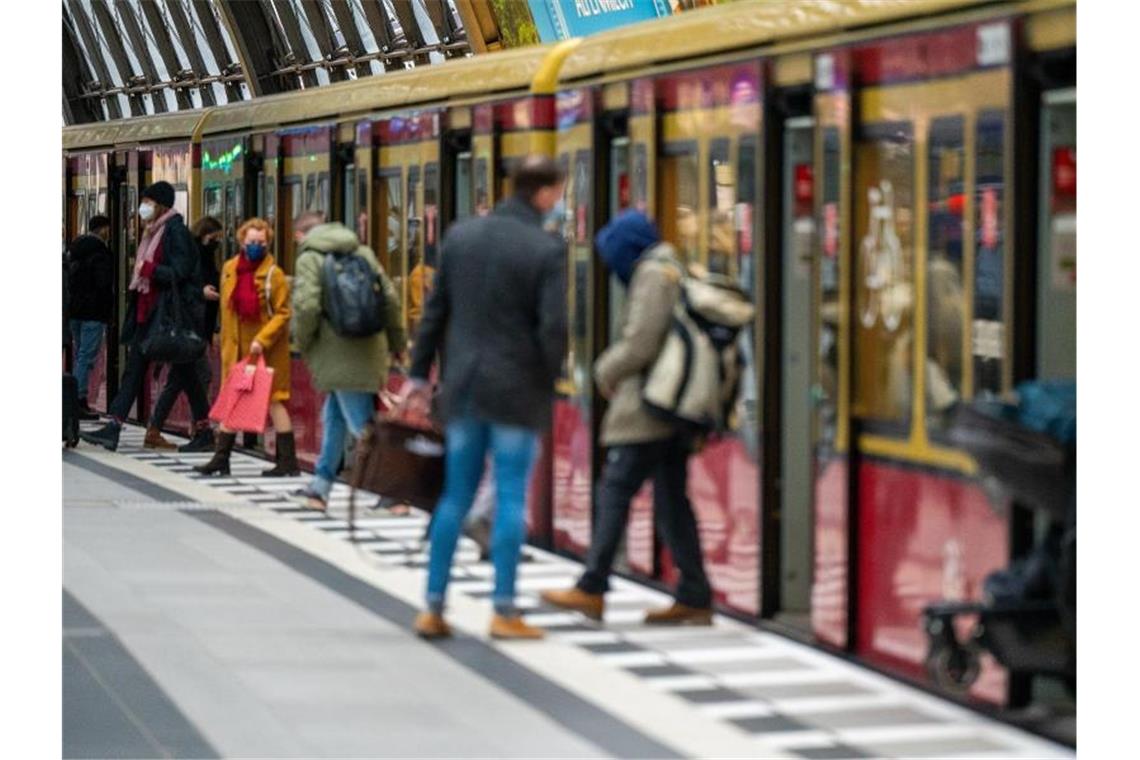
{"x": 893, "y": 182}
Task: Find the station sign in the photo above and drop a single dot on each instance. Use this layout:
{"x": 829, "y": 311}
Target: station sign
{"x": 562, "y": 19}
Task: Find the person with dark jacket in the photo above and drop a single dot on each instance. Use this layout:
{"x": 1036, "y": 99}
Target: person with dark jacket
{"x": 91, "y": 293}
{"x": 207, "y": 233}
{"x": 498, "y": 315}
{"x": 166, "y": 268}
{"x": 639, "y": 445}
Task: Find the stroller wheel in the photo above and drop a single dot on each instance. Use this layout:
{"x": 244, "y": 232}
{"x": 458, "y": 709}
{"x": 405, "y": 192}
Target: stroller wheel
{"x": 953, "y": 668}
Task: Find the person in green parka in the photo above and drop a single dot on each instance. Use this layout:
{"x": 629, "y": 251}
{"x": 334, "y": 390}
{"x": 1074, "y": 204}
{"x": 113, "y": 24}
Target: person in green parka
{"x": 348, "y": 370}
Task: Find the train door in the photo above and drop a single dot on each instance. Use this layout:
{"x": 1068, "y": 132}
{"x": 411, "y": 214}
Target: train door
{"x": 799, "y": 390}
{"x": 707, "y": 182}
{"x": 572, "y": 436}
{"x": 1057, "y": 238}
{"x": 912, "y": 154}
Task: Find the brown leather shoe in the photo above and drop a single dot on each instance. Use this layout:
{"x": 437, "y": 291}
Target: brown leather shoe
{"x": 679, "y": 614}
{"x": 592, "y": 606}
{"x": 154, "y": 440}
{"x": 513, "y": 628}
{"x": 431, "y": 625}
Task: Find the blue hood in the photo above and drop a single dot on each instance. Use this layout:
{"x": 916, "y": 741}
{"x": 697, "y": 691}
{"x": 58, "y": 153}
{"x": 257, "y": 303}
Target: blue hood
{"x": 623, "y": 240}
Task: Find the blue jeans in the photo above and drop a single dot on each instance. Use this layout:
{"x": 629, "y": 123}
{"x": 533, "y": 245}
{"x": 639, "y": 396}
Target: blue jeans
{"x": 512, "y": 453}
{"x": 344, "y": 412}
{"x": 88, "y": 338}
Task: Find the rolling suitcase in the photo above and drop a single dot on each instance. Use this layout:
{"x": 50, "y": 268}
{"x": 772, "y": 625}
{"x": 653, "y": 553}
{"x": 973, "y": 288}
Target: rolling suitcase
{"x": 70, "y": 411}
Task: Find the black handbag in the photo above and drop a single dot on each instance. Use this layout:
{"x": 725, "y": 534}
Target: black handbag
{"x": 170, "y": 336}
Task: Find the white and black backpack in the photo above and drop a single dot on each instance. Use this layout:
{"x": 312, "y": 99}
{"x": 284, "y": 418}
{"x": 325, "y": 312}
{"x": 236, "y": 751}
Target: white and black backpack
{"x": 694, "y": 380}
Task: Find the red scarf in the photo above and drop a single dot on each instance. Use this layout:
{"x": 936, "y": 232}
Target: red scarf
{"x": 244, "y": 299}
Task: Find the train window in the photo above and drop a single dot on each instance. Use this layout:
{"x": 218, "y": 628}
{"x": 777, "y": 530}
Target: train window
{"x": 744, "y": 228}
{"x": 582, "y": 252}
{"x": 230, "y": 221}
{"x": 310, "y": 194}
{"x": 213, "y": 201}
{"x": 132, "y": 204}
{"x": 722, "y": 207}
{"x": 92, "y": 208}
{"x": 182, "y": 201}
{"x": 390, "y": 213}
{"x": 102, "y": 202}
{"x": 323, "y": 188}
{"x": 362, "y": 230}
{"x": 413, "y": 266}
{"x": 463, "y": 205}
{"x": 639, "y": 182}
{"x": 349, "y": 206}
{"x": 80, "y": 213}
{"x": 679, "y": 201}
{"x": 988, "y": 337}
{"x": 944, "y": 293}
{"x": 482, "y": 188}
{"x": 260, "y": 208}
{"x": 271, "y": 200}
{"x": 431, "y": 213}
{"x": 884, "y": 250}
{"x": 239, "y": 200}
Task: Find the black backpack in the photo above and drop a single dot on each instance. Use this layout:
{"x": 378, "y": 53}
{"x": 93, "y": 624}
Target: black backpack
{"x": 353, "y": 295}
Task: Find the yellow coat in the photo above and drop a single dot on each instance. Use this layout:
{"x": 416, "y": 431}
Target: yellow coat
{"x": 271, "y": 330}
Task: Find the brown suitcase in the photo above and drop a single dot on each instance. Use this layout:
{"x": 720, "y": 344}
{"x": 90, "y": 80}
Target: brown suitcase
{"x": 400, "y": 461}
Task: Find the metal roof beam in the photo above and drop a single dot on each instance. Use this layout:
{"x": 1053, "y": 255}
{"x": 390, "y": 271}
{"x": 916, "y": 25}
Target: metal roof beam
{"x": 185, "y": 33}
{"x": 157, "y": 23}
{"x": 296, "y": 38}
{"x": 407, "y": 19}
{"x": 323, "y": 34}
{"x": 112, "y": 35}
{"x": 95, "y": 48}
{"x": 142, "y": 52}
{"x": 352, "y": 38}
{"x": 218, "y": 49}
{"x": 76, "y": 73}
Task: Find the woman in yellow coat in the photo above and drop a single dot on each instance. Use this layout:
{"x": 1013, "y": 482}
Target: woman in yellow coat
{"x": 255, "y": 311}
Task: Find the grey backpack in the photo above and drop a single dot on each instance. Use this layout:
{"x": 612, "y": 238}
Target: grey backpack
{"x": 353, "y": 295}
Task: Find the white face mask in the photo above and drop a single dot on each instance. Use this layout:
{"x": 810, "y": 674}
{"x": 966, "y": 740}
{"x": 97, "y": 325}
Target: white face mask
{"x": 146, "y": 211}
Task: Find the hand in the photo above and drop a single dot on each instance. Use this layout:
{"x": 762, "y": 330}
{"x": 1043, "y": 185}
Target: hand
{"x": 414, "y": 397}
{"x": 210, "y": 293}
{"x": 256, "y": 349}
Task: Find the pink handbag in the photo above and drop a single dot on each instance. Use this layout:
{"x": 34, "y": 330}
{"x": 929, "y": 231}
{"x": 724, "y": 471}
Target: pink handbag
{"x": 242, "y": 405}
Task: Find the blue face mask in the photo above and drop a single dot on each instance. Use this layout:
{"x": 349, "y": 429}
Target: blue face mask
{"x": 254, "y": 251}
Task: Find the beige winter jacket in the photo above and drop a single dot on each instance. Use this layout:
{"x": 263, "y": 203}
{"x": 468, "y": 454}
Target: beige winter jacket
{"x": 645, "y": 320}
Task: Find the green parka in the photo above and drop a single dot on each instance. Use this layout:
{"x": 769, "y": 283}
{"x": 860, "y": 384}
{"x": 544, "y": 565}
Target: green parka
{"x": 338, "y": 363}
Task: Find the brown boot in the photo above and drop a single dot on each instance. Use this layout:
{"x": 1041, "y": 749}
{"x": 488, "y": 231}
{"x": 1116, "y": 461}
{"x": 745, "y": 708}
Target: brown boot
{"x": 286, "y": 466}
{"x": 431, "y": 625}
{"x": 592, "y": 606}
{"x": 154, "y": 440}
{"x": 679, "y": 614}
{"x": 503, "y": 627}
{"x": 220, "y": 464}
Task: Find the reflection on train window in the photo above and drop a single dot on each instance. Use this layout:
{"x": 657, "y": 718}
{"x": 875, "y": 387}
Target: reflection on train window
{"x": 883, "y": 247}
{"x": 582, "y": 245}
{"x": 102, "y": 202}
{"x": 310, "y": 193}
{"x": 988, "y": 337}
{"x": 92, "y": 208}
{"x": 349, "y": 204}
{"x": 271, "y": 200}
{"x": 463, "y": 206}
{"x": 323, "y": 199}
{"x": 679, "y": 200}
{"x": 481, "y": 186}
{"x": 639, "y": 182}
{"x": 390, "y": 215}
{"x": 130, "y": 216}
{"x": 412, "y": 265}
{"x": 362, "y": 231}
{"x": 431, "y": 214}
{"x": 230, "y": 221}
{"x": 747, "y": 416}
{"x": 722, "y": 206}
{"x": 944, "y": 294}
{"x": 182, "y": 201}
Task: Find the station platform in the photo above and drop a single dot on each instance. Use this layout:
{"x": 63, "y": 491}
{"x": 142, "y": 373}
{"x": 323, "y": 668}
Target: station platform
{"x": 216, "y": 617}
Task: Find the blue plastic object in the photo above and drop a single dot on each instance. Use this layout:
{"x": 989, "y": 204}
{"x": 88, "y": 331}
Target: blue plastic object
{"x": 1049, "y": 407}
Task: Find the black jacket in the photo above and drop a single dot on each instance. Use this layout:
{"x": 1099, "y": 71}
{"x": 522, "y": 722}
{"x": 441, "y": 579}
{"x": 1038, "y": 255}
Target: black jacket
{"x": 178, "y": 275}
{"x": 498, "y": 314}
{"x": 208, "y": 274}
{"x": 91, "y": 279}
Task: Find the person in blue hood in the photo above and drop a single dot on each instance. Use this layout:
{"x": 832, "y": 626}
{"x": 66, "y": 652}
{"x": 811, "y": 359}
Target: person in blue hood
{"x": 639, "y": 445}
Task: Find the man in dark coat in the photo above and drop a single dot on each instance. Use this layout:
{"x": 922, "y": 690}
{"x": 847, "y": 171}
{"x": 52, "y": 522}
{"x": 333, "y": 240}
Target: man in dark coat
{"x": 166, "y": 268}
{"x": 498, "y": 315}
{"x": 91, "y": 290}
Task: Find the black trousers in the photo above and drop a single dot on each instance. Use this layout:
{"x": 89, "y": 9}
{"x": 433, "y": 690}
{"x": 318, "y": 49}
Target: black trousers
{"x": 134, "y": 376}
{"x": 189, "y": 381}
{"x": 626, "y": 468}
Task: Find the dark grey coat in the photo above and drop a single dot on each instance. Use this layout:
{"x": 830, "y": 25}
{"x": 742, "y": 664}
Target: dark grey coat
{"x": 498, "y": 316}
